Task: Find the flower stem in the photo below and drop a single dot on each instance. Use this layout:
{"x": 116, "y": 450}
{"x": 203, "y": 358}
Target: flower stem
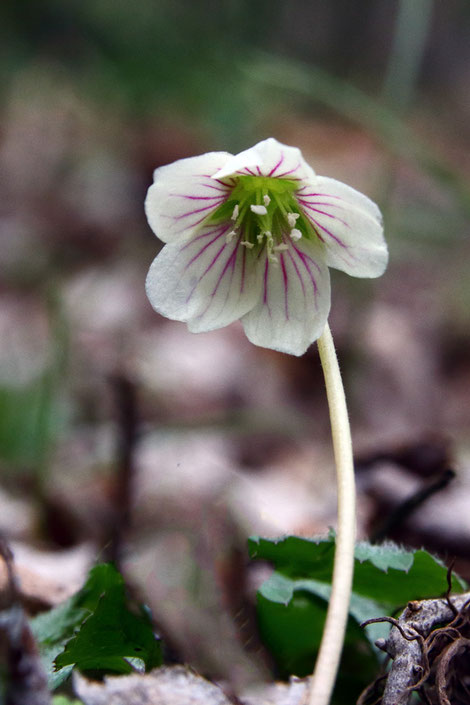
{"x": 326, "y": 666}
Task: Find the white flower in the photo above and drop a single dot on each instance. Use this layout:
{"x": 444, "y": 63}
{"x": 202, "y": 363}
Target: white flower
{"x": 251, "y": 237}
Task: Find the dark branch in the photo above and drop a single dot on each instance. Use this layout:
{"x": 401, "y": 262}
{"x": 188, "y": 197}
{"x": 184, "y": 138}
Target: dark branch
{"x": 412, "y": 638}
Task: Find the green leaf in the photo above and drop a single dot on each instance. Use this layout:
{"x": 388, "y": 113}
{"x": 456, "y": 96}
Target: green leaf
{"x": 63, "y": 700}
{"x": 95, "y": 630}
{"x": 292, "y": 602}
{"x": 385, "y": 573}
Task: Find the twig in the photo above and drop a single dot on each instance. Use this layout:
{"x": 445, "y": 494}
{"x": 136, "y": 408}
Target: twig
{"x": 411, "y": 639}
{"x": 23, "y": 675}
{"x": 449, "y": 587}
{"x": 441, "y": 677}
{"x": 127, "y": 419}
{"x": 406, "y": 508}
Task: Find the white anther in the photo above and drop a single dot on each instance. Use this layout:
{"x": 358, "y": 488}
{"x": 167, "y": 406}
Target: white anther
{"x": 259, "y": 210}
{"x": 260, "y": 237}
{"x": 291, "y": 218}
{"x": 295, "y": 234}
{"x": 272, "y": 258}
{"x": 247, "y": 244}
{"x": 236, "y": 211}
{"x": 266, "y": 200}
{"x": 281, "y": 248}
{"x": 229, "y": 236}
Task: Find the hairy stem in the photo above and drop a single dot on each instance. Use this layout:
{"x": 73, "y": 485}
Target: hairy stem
{"x": 326, "y": 666}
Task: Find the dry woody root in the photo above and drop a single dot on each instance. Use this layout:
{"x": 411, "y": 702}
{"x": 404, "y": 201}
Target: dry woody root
{"x": 430, "y": 647}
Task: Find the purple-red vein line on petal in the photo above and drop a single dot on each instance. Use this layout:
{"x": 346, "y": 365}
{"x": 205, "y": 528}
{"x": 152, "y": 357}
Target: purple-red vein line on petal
{"x": 208, "y": 268}
{"x": 230, "y": 261}
{"x": 193, "y": 212}
{"x": 302, "y": 258}
{"x": 321, "y": 203}
{"x": 217, "y": 285}
{"x": 324, "y": 203}
{"x": 249, "y": 171}
{"x": 197, "y": 198}
{"x": 214, "y": 188}
{"x": 220, "y": 230}
{"x": 275, "y": 168}
{"x": 328, "y": 215}
{"x": 242, "y": 282}
{"x": 212, "y": 178}
{"x": 259, "y": 171}
{"x": 191, "y": 226}
{"x": 297, "y": 272}
{"x": 329, "y": 233}
{"x": 265, "y": 284}
{"x": 308, "y": 257}
{"x": 315, "y": 193}
{"x": 219, "y": 181}
{"x": 286, "y": 286}
{"x": 211, "y": 264}
{"x": 291, "y": 171}
{"x": 232, "y": 271}
{"x": 201, "y": 251}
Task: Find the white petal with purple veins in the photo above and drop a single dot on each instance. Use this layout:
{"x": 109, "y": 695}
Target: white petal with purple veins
{"x": 349, "y": 224}
{"x": 183, "y": 194}
{"x": 295, "y": 300}
{"x": 268, "y": 158}
{"x": 206, "y": 281}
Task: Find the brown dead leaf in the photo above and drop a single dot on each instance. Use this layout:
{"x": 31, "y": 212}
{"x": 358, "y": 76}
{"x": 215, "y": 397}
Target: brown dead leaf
{"x": 177, "y": 685}
{"x": 174, "y": 685}
{"x": 47, "y": 578}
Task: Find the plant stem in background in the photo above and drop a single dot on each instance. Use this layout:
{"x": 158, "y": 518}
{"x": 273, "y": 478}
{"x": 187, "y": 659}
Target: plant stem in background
{"x": 406, "y": 57}
{"x": 331, "y": 646}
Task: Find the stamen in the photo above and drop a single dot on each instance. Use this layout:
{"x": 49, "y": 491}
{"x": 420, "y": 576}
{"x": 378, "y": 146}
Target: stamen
{"x": 247, "y": 244}
{"x": 266, "y": 200}
{"x": 281, "y": 248}
{"x": 295, "y": 234}
{"x": 291, "y": 218}
{"x": 236, "y": 211}
{"x": 229, "y": 237}
{"x": 259, "y": 210}
{"x": 270, "y": 247}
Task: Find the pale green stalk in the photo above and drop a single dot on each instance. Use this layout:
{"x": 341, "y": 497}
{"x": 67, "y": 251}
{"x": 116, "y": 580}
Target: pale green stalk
{"x": 331, "y": 646}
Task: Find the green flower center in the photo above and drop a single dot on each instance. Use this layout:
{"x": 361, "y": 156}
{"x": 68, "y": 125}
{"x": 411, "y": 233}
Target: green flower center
{"x": 265, "y": 213}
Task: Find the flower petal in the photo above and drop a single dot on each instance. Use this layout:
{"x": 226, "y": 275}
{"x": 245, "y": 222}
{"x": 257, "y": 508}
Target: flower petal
{"x": 206, "y": 281}
{"x": 183, "y": 194}
{"x": 268, "y": 158}
{"x": 349, "y": 224}
{"x": 295, "y": 300}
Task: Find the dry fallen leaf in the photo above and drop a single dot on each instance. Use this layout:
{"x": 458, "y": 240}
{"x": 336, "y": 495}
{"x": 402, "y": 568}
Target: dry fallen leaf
{"x": 177, "y": 685}
{"x": 174, "y": 685}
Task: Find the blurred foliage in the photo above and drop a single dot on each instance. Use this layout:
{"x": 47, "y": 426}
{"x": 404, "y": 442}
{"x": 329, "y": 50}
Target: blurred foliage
{"x": 96, "y": 631}
{"x": 194, "y": 57}
{"x": 32, "y": 412}
{"x": 25, "y": 423}
{"x": 166, "y": 56}
{"x": 292, "y": 603}
{"x": 356, "y": 106}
